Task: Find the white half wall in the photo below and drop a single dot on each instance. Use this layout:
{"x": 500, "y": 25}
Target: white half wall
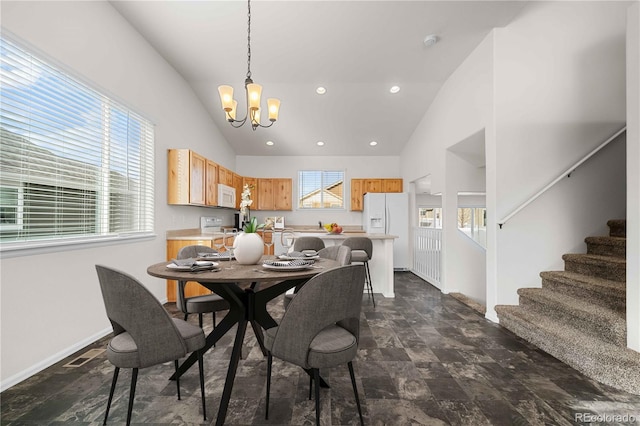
{"x": 633, "y": 177}
{"x": 49, "y": 310}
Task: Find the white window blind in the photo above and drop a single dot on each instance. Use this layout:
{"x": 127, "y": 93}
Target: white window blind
{"x": 320, "y": 189}
{"x": 74, "y": 164}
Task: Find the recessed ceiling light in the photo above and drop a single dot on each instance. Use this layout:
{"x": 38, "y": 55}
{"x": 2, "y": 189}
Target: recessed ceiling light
{"x": 321, "y": 90}
{"x": 320, "y": 143}
{"x": 270, "y": 143}
{"x": 394, "y": 89}
{"x": 373, "y": 143}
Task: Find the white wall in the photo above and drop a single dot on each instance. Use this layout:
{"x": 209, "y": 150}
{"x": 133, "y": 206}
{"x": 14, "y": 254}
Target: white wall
{"x": 560, "y": 92}
{"x": 633, "y": 177}
{"x": 288, "y": 167}
{"x": 462, "y": 109}
{"x": 51, "y": 303}
{"x": 464, "y": 261}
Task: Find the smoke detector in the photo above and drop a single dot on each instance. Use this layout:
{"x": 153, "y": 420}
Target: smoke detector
{"x": 430, "y": 40}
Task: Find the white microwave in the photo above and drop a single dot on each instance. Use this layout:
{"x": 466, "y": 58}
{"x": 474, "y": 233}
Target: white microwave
{"x": 226, "y": 196}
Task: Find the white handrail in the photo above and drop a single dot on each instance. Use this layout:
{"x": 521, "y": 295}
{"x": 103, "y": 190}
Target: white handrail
{"x": 566, "y": 173}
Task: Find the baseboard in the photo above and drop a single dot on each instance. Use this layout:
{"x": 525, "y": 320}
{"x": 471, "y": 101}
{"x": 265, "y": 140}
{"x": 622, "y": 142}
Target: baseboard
{"x": 48, "y": 362}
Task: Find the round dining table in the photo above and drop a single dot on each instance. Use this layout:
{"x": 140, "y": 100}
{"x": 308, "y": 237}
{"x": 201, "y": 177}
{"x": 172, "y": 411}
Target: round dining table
{"x": 248, "y": 289}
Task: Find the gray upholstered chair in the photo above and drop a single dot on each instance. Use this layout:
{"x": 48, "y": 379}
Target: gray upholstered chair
{"x": 320, "y": 329}
{"x": 341, "y": 254}
{"x": 144, "y": 333}
{"x": 361, "y": 252}
{"x": 308, "y": 243}
{"x": 198, "y": 304}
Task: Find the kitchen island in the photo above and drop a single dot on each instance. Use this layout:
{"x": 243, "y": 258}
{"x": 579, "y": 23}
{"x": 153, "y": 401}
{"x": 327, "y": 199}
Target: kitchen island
{"x": 381, "y": 263}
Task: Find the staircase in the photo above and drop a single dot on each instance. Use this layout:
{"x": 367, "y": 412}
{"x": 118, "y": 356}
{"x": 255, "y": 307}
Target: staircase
{"x": 578, "y": 315}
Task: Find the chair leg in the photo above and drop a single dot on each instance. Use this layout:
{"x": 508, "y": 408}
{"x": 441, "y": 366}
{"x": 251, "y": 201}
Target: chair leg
{"x": 310, "y": 386}
{"x": 269, "y": 361}
{"x": 201, "y": 368}
{"x": 316, "y": 380}
{"x": 113, "y": 387}
{"x": 355, "y": 390}
{"x": 186, "y": 316}
{"x": 369, "y": 284}
{"x": 175, "y": 362}
{"x": 132, "y": 393}
{"x": 200, "y": 320}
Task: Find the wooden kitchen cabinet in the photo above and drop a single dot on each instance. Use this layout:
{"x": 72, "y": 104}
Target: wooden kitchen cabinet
{"x": 225, "y": 176}
{"x": 282, "y": 190}
{"x": 237, "y": 184}
{"x": 265, "y": 194}
{"x": 275, "y": 194}
{"x": 211, "y": 181}
{"x": 360, "y": 186}
{"x": 255, "y": 192}
{"x": 391, "y": 185}
{"x": 187, "y": 173}
{"x": 372, "y": 185}
{"x": 192, "y": 288}
{"x": 357, "y": 194}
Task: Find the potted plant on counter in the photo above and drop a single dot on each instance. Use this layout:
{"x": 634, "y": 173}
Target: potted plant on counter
{"x": 248, "y": 245}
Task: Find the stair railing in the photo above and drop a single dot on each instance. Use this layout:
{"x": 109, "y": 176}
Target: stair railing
{"x": 566, "y": 173}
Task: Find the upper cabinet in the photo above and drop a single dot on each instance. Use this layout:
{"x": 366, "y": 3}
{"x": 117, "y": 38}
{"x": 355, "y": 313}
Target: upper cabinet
{"x": 194, "y": 179}
{"x": 211, "y": 196}
{"x": 391, "y": 185}
{"x": 187, "y": 174}
{"x": 237, "y": 184}
{"x": 255, "y": 194}
{"x": 282, "y": 191}
{"x": 274, "y": 194}
{"x": 359, "y": 187}
{"x": 265, "y": 194}
{"x": 225, "y": 176}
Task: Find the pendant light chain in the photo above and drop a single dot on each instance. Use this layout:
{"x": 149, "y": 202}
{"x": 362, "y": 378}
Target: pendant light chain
{"x": 252, "y": 91}
{"x": 249, "y": 40}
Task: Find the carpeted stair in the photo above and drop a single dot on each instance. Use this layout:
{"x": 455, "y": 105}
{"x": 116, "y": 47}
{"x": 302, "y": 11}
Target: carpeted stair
{"x": 578, "y": 315}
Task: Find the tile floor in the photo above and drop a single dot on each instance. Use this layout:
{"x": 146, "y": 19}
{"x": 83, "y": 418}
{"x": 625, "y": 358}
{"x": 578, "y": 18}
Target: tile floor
{"x": 424, "y": 359}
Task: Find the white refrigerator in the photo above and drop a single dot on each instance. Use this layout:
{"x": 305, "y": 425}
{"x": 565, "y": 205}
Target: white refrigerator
{"x": 388, "y": 213}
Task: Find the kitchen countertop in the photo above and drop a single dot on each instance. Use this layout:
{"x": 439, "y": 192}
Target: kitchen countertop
{"x": 197, "y": 234}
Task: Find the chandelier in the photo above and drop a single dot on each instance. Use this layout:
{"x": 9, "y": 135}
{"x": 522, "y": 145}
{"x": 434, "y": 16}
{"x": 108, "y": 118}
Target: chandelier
{"x": 253, "y": 92}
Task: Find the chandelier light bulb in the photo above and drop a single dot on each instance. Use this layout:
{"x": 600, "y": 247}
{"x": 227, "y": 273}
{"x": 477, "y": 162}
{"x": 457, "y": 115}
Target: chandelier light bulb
{"x": 273, "y": 105}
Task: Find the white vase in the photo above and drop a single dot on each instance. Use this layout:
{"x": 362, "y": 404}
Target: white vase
{"x": 248, "y": 248}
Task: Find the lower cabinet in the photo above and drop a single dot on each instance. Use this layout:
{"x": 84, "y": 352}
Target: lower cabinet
{"x": 192, "y": 288}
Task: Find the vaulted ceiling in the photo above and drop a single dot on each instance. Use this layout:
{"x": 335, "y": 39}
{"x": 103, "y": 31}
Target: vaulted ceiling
{"x": 357, "y": 50}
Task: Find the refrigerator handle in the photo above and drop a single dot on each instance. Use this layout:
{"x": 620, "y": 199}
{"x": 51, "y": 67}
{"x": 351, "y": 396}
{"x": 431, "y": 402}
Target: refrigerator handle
{"x": 387, "y": 222}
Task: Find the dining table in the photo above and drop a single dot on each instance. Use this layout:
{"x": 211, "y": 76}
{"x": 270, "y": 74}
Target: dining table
{"x": 248, "y": 289}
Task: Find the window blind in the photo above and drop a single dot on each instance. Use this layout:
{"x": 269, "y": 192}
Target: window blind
{"x": 74, "y": 163}
{"x": 320, "y": 189}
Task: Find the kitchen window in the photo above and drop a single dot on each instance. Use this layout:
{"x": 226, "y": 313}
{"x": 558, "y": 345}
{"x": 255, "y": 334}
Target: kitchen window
{"x": 320, "y": 189}
{"x": 75, "y": 164}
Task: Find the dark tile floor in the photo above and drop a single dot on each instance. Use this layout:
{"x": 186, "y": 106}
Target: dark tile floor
{"x": 424, "y": 359}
